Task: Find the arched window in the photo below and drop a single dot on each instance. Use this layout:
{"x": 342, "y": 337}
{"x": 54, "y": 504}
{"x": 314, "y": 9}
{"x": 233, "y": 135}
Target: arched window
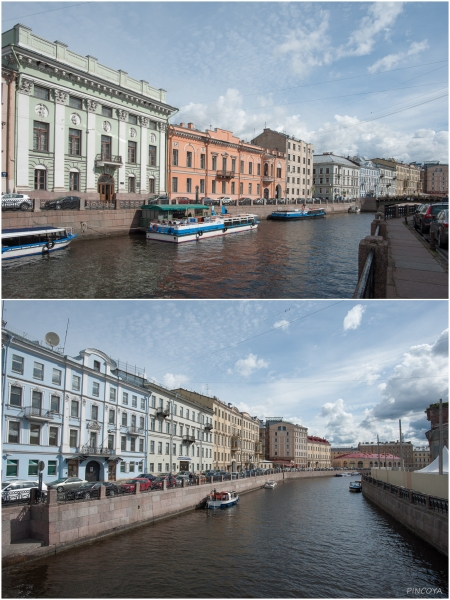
{"x": 266, "y": 169}
{"x": 360, "y": 464}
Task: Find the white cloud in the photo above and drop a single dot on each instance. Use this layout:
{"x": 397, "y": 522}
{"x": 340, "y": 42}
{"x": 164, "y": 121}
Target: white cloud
{"x": 353, "y": 318}
{"x": 174, "y": 381}
{"x": 283, "y": 324}
{"x": 392, "y": 60}
{"x": 246, "y": 366}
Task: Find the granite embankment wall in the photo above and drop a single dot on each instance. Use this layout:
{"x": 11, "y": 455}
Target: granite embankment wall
{"x": 60, "y": 525}
{"x": 430, "y": 525}
{"x": 97, "y": 223}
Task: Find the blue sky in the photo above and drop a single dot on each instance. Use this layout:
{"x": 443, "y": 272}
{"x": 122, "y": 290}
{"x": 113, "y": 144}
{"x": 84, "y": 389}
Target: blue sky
{"x": 348, "y": 370}
{"x": 322, "y": 71}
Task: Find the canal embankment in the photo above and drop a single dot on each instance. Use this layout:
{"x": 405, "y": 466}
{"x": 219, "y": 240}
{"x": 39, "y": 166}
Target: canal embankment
{"x": 35, "y": 530}
{"x": 418, "y": 501}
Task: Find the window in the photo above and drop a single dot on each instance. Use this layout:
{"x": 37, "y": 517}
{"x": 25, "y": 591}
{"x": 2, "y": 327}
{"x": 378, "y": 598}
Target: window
{"x": 33, "y": 467}
{"x": 122, "y": 467}
{"x": 214, "y": 163}
{"x": 15, "y": 396}
{"x": 202, "y": 161}
{"x": 141, "y": 423}
{"x": 106, "y": 111}
{"x": 213, "y": 187}
{"x": 202, "y": 186}
{"x": 187, "y": 413}
{"x": 105, "y": 147}
{"x": 74, "y": 405}
{"x": 95, "y": 388}
{"x": 125, "y": 398}
{"x": 241, "y": 188}
{"x": 75, "y": 102}
{"x": 112, "y": 416}
{"x": 94, "y": 412}
{"x": 152, "y": 125}
{"x": 74, "y": 142}
{"x": 133, "y": 444}
{"x": 152, "y": 156}
{"x": 142, "y": 403}
{"x": 224, "y": 187}
{"x": 123, "y": 443}
{"x": 189, "y": 159}
{"x": 233, "y": 165}
{"x": 110, "y": 442}
{"x": 112, "y": 394}
{"x": 73, "y": 438}
{"x": 175, "y": 158}
{"x": 13, "y": 432}
{"x": 249, "y": 188}
{"x": 258, "y": 168}
{"x": 40, "y": 92}
{"x": 153, "y": 401}
{"x": 188, "y": 185}
{"x": 132, "y": 150}
{"x": 132, "y": 119}
{"x": 124, "y": 419}
{"x": 40, "y": 136}
{"x": 35, "y": 434}
{"x": 174, "y": 184}
{"x": 152, "y": 424}
{"x": 17, "y": 364}
{"x": 134, "y": 401}
{"x": 233, "y": 185}
{"x": 151, "y": 185}
{"x": 152, "y": 448}
{"x": 51, "y": 467}
{"x": 38, "y": 371}
{"x": 167, "y": 448}
{"x": 97, "y": 366}
{"x": 159, "y": 447}
{"x": 76, "y": 382}
{"x": 250, "y": 168}
{"x": 279, "y": 172}
{"x": 132, "y": 466}
{"x": 56, "y": 376}
{"x": 53, "y": 436}
{"x": 54, "y": 404}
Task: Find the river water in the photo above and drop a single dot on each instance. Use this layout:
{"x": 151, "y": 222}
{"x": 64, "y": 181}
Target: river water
{"x": 307, "y": 538}
{"x": 311, "y": 259}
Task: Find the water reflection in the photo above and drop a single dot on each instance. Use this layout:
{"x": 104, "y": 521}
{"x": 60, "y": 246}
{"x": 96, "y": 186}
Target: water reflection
{"x": 315, "y": 259}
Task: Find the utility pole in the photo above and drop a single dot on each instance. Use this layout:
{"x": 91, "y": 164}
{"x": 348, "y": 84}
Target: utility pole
{"x": 402, "y": 468}
{"x": 171, "y": 434}
{"x": 441, "y": 441}
{"x": 378, "y": 444}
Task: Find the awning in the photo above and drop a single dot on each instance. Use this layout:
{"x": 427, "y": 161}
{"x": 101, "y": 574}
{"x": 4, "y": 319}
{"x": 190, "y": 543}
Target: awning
{"x": 280, "y": 461}
{"x": 183, "y": 458}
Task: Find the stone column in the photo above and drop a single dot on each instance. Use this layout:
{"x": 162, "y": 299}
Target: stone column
{"x": 90, "y": 146}
{"x": 162, "y": 157}
{"x": 23, "y": 135}
{"x": 143, "y": 154}
{"x": 59, "y": 140}
{"x": 123, "y": 115}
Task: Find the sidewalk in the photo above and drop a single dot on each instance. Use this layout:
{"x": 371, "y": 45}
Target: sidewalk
{"x": 414, "y": 271}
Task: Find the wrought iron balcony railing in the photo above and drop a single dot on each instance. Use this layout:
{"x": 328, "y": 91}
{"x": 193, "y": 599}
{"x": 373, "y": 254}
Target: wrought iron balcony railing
{"x": 162, "y": 413}
{"x": 188, "y": 439}
{"x": 225, "y": 174}
{"x": 208, "y": 427}
{"x": 107, "y": 159}
{"x": 38, "y": 414}
{"x": 98, "y": 450}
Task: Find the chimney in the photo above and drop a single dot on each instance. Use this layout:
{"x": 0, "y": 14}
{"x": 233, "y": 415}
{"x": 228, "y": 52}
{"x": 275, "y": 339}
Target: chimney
{"x": 181, "y": 124}
{"x": 190, "y": 125}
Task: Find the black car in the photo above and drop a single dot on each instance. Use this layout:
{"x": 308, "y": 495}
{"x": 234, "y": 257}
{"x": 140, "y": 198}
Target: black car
{"x": 246, "y": 201}
{"x": 63, "y": 203}
{"x": 92, "y": 490}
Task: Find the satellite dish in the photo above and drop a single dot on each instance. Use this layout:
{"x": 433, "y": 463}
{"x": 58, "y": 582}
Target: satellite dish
{"x": 52, "y": 339}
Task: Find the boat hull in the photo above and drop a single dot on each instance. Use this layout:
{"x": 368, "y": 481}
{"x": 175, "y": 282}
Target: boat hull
{"x": 296, "y": 216}
{"x": 174, "y": 237}
{"x": 40, "y": 248}
{"x": 221, "y": 503}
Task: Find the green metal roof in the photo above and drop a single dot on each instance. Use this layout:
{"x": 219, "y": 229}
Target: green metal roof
{"x": 173, "y": 207}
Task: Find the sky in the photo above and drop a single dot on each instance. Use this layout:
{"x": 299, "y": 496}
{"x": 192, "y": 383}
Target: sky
{"x": 353, "y": 78}
{"x": 347, "y": 370}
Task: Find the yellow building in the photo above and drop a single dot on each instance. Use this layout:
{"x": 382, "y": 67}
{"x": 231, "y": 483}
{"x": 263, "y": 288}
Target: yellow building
{"x": 286, "y": 443}
{"x": 421, "y": 457}
{"x": 319, "y": 453}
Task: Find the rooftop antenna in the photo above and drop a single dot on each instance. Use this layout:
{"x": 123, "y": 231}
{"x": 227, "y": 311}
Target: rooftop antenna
{"x": 65, "y": 339}
{"x": 51, "y": 339}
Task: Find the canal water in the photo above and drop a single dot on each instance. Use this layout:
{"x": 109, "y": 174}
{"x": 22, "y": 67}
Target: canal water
{"x": 307, "y": 538}
{"x": 311, "y": 259}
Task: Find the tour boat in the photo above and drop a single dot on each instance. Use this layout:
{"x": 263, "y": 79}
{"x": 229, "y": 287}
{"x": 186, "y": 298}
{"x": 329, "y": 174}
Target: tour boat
{"x": 29, "y": 241}
{"x": 354, "y": 209}
{"x": 221, "y": 499}
{"x": 292, "y": 215}
{"x": 269, "y": 485}
{"x": 192, "y": 229}
{"x": 355, "y": 486}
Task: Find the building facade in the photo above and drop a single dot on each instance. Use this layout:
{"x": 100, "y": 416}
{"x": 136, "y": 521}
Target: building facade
{"x": 388, "y": 178}
{"x": 421, "y": 457}
{"x": 335, "y": 179}
{"x": 369, "y": 178}
{"x": 215, "y": 163}
{"x": 319, "y": 452}
{"x": 392, "y": 448}
{"x": 286, "y": 443}
{"x": 81, "y": 126}
{"x": 435, "y": 178}
{"x": 9, "y": 78}
{"x": 432, "y": 435}
{"x": 407, "y": 176}
{"x": 366, "y": 460}
{"x": 299, "y": 162}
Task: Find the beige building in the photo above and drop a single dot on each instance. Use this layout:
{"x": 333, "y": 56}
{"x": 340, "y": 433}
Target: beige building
{"x": 364, "y": 460}
{"x": 286, "y": 443}
{"x": 339, "y": 450}
{"x": 435, "y": 178}
{"x": 421, "y": 457}
{"x": 319, "y": 452}
{"x": 390, "y": 448}
{"x": 407, "y": 176}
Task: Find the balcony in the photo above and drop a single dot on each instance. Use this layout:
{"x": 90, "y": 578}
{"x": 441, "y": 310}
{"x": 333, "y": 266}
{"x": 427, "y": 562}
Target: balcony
{"x": 162, "y": 413}
{"x": 38, "y": 414}
{"x": 267, "y": 179}
{"x": 188, "y": 439}
{"x": 225, "y": 174}
{"x": 109, "y": 160}
{"x": 258, "y": 448}
{"x": 133, "y": 430}
{"x": 235, "y": 443}
{"x": 208, "y": 427}
{"x": 97, "y": 451}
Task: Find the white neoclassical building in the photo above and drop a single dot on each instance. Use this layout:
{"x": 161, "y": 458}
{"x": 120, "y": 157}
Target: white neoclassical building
{"x": 335, "y": 178}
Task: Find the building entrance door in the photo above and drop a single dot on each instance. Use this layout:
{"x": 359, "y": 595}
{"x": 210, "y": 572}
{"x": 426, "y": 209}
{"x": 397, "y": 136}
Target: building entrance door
{"x": 72, "y": 468}
{"x": 92, "y": 471}
{"x": 266, "y": 193}
{"x": 106, "y": 188}
{"x": 111, "y": 470}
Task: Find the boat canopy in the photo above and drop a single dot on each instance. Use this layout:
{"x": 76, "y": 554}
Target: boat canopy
{"x": 10, "y": 233}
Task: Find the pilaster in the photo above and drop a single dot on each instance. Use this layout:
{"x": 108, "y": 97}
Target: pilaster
{"x": 23, "y": 134}
{"x": 90, "y": 146}
{"x": 123, "y": 114}
{"x": 59, "y": 140}
{"x": 144, "y": 154}
{"x": 162, "y": 157}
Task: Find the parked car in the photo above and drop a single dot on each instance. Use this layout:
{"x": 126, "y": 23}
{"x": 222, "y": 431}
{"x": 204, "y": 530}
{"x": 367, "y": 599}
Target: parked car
{"x": 63, "y": 203}
{"x": 182, "y": 475}
{"x": 171, "y": 482}
{"x": 226, "y": 199}
{"x": 21, "y": 201}
{"x": 158, "y": 199}
{"x": 439, "y": 226}
{"x": 259, "y": 201}
{"x": 65, "y": 483}
{"x": 209, "y": 201}
{"x": 19, "y": 489}
{"x": 147, "y": 476}
{"x": 183, "y": 200}
{"x": 130, "y": 485}
{"x": 423, "y": 217}
{"x": 91, "y": 489}
{"x": 246, "y": 201}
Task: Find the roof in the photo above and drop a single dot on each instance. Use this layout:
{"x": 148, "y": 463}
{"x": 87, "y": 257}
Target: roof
{"x": 30, "y": 230}
{"x": 173, "y": 207}
{"x": 317, "y": 440}
{"x": 360, "y": 455}
{"x": 332, "y": 158}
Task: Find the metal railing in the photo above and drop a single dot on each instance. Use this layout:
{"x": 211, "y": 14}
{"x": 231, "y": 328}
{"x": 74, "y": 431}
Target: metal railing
{"x": 109, "y": 158}
{"x": 98, "y": 205}
{"x": 96, "y": 450}
{"x": 365, "y": 287}
{"x": 38, "y": 412}
{"x": 131, "y": 203}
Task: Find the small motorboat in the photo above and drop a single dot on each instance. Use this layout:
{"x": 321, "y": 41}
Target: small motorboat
{"x": 354, "y": 209}
{"x": 269, "y": 485}
{"x": 221, "y": 499}
{"x": 355, "y": 486}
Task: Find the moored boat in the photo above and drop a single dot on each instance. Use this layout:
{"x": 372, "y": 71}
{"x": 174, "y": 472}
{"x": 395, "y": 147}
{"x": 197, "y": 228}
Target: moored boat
{"x": 30, "y": 241}
{"x": 221, "y": 499}
{"x": 354, "y": 209}
{"x": 355, "y": 486}
{"x": 297, "y": 214}
{"x": 269, "y": 485}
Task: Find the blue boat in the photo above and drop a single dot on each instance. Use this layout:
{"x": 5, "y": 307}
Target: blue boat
{"x": 297, "y": 214}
